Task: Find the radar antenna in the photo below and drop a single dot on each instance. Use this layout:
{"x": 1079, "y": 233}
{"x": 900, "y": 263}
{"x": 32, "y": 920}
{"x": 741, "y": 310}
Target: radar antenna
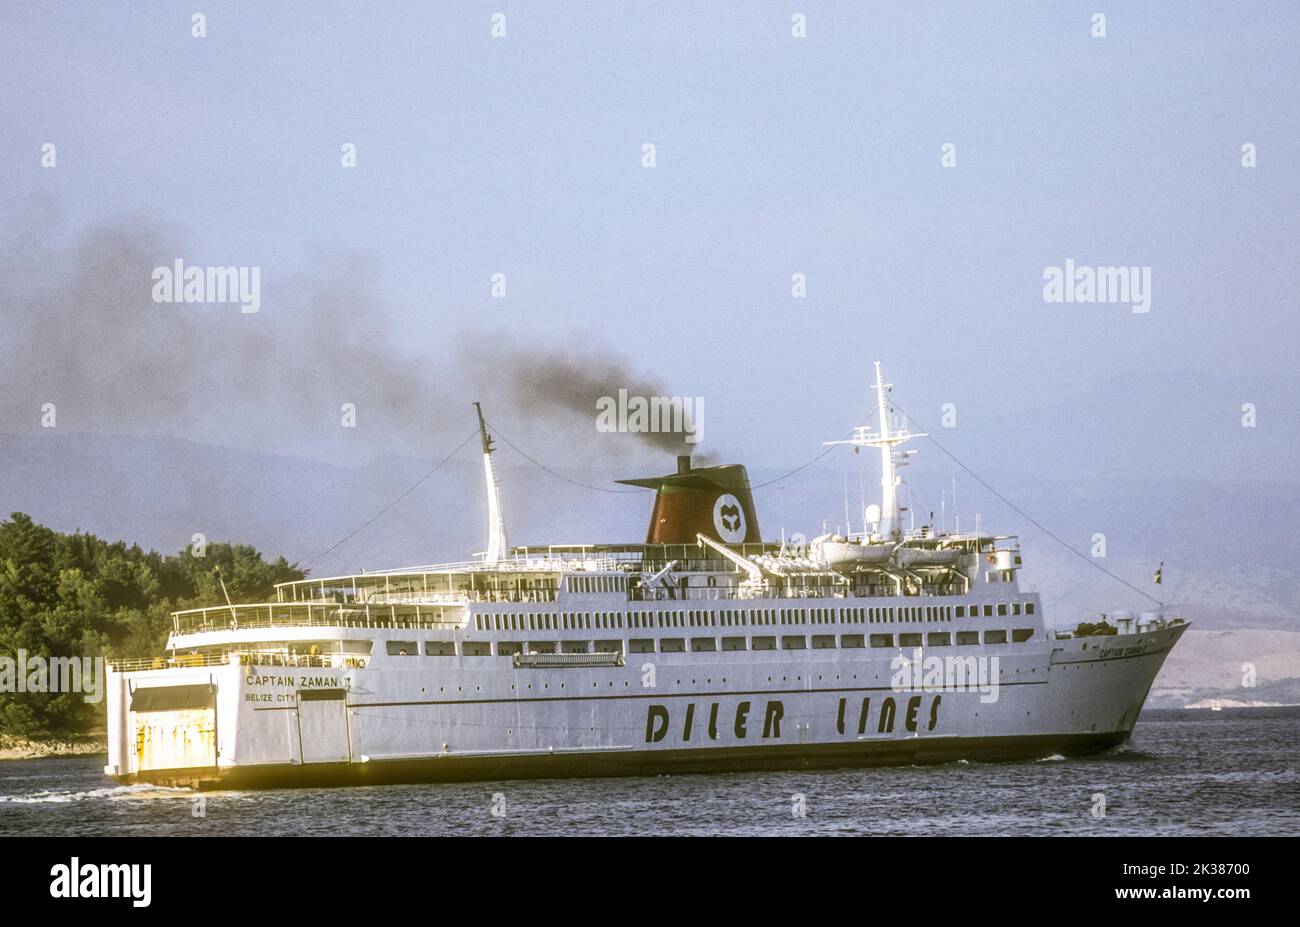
{"x": 887, "y": 439}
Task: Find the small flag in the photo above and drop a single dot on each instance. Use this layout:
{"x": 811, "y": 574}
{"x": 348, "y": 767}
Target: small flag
{"x": 1160, "y": 571}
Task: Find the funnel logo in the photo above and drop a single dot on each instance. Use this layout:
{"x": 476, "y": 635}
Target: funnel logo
{"x": 729, "y": 519}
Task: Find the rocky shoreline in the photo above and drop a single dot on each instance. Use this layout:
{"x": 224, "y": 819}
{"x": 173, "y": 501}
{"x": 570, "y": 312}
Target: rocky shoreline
{"x": 31, "y": 748}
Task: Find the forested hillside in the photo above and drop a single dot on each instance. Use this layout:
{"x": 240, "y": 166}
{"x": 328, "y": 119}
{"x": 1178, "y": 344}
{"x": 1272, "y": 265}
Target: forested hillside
{"x": 77, "y": 595}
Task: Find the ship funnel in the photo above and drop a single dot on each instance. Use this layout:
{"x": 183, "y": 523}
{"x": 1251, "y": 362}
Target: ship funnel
{"x": 713, "y": 501}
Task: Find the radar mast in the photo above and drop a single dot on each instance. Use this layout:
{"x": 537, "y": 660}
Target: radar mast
{"x": 887, "y": 439}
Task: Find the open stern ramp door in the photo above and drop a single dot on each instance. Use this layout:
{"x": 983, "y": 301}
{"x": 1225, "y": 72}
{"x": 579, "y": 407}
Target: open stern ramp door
{"x": 175, "y": 727}
{"x": 323, "y": 726}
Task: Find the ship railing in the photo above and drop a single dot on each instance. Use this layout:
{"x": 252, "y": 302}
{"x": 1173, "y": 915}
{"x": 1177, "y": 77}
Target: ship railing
{"x": 1111, "y": 626}
{"x": 327, "y": 660}
{"x": 243, "y": 657}
{"x": 533, "y": 563}
{"x": 573, "y": 563}
{"x": 728, "y": 593}
{"x": 769, "y": 591}
{"x": 311, "y": 614}
{"x": 168, "y": 662}
{"x": 461, "y": 597}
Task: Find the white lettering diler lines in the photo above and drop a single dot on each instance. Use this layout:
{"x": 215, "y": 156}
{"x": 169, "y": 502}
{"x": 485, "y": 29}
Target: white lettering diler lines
{"x": 659, "y": 718}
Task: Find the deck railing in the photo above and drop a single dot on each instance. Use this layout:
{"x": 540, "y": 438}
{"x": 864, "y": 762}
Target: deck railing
{"x": 460, "y": 598}
{"x": 168, "y": 662}
{"x": 246, "y": 658}
{"x": 313, "y": 615}
{"x": 441, "y": 574}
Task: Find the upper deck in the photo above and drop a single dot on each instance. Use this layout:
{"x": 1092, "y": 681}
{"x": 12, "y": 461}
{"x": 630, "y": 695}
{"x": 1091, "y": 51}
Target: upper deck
{"x": 439, "y": 595}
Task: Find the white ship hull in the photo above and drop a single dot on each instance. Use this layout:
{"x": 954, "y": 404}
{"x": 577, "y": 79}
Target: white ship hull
{"x": 453, "y": 718}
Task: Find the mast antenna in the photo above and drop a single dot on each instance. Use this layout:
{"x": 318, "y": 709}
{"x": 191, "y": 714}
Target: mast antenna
{"x": 887, "y": 438}
{"x": 848, "y": 525}
{"x": 234, "y": 615}
{"x": 498, "y": 546}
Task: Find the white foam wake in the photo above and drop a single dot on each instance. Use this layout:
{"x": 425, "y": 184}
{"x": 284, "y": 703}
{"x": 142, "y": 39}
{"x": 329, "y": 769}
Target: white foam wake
{"x": 109, "y": 793}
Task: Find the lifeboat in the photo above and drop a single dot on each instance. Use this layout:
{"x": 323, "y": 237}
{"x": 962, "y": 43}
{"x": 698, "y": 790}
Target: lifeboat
{"x": 909, "y": 558}
{"x": 838, "y": 553}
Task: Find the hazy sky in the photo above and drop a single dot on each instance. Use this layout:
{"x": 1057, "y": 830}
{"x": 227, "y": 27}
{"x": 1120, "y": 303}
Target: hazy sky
{"x": 775, "y": 155}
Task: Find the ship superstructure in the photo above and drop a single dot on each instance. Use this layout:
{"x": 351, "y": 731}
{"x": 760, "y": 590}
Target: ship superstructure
{"x": 703, "y": 648}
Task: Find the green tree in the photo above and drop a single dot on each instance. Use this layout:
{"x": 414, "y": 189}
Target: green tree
{"x": 75, "y": 595}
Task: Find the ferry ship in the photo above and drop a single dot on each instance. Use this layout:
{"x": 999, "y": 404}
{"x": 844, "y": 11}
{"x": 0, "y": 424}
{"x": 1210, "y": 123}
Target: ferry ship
{"x": 702, "y": 649}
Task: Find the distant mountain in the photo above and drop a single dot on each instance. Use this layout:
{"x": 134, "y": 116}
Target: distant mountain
{"x": 1239, "y": 667}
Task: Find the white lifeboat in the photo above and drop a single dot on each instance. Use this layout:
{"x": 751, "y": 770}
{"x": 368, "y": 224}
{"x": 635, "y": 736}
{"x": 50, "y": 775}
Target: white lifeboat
{"x": 910, "y": 558}
{"x": 838, "y": 553}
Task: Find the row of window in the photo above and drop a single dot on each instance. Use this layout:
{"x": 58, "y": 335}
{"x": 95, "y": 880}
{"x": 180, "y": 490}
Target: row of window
{"x": 744, "y": 617}
{"x": 710, "y": 644}
{"x": 594, "y": 584}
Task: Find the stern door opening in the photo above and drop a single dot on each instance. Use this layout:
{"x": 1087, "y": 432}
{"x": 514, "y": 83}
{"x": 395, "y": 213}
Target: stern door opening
{"x": 175, "y": 727}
